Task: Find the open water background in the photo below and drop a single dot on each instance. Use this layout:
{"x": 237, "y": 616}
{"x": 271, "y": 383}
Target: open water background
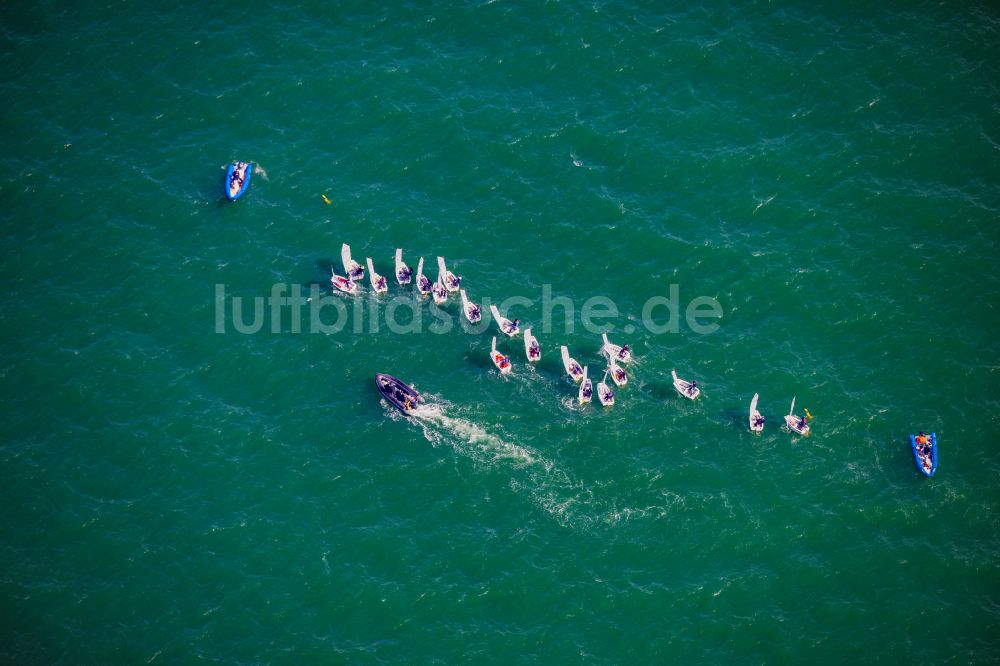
{"x": 829, "y": 172}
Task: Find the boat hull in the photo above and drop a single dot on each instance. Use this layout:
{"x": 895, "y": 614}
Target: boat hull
{"x": 934, "y": 455}
{"x": 397, "y": 393}
{"x": 229, "y": 182}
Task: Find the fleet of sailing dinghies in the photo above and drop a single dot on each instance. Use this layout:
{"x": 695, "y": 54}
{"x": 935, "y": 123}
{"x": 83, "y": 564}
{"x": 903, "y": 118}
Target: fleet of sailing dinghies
{"x": 351, "y": 267}
{"x": 423, "y": 282}
{"x": 756, "y": 418}
{"x": 531, "y": 347}
{"x": 586, "y": 389}
{"x": 404, "y": 398}
{"x": 506, "y": 326}
{"x": 798, "y": 425}
{"x": 502, "y": 362}
{"x": 378, "y": 282}
{"x": 471, "y": 310}
{"x": 573, "y": 369}
{"x": 403, "y": 272}
{"x": 687, "y": 389}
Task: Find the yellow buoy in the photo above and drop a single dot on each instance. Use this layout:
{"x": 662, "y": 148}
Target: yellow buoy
{"x": 325, "y": 199}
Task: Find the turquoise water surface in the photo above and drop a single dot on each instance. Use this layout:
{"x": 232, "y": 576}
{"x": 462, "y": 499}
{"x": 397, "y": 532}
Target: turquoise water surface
{"x": 177, "y": 491}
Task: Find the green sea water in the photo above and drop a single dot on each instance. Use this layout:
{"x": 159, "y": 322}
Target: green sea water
{"x": 177, "y": 491}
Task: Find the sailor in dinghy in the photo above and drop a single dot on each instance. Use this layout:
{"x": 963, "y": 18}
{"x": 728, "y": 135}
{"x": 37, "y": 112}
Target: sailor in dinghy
{"x": 507, "y": 327}
{"x": 351, "y": 267}
{"x": 439, "y": 292}
{"x": 756, "y": 418}
{"x": 471, "y": 310}
{"x": 687, "y": 389}
{"x": 341, "y": 283}
{"x": 604, "y": 392}
{"x": 531, "y": 347}
{"x": 612, "y": 351}
{"x": 423, "y": 282}
{"x": 617, "y": 372}
{"x": 573, "y": 369}
{"x": 448, "y": 279}
{"x": 502, "y": 362}
{"x": 586, "y": 388}
{"x": 379, "y": 283}
{"x": 403, "y": 272}
{"x": 798, "y": 425}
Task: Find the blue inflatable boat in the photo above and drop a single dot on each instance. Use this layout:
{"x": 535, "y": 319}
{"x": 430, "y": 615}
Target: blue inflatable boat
{"x": 926, "y": 457}
{"x": 238, "y": 179}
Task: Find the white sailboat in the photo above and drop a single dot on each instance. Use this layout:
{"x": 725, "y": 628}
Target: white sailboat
{"x": 447, "y": 278}
{"x": 687, "y": 389}
{"x": 351, "y": 267}
{"x": 531, "y": 347}
{"x": 379, "y": 283}
{"x": 586, "y": 388}
{"x": 795, "y": 423}
{"x": 613, "y": 351}
{"x": 617, "y": 372}
{"x": 471, "y": 310}
{"x": 502, "y": 362}
{"x": 403, "y": 272}
{"x": 423, "y": 283}
{"x": 573, "y": 369}
{"x": 439, "y": 293}
{"x": 756, "y": 418}
{"x": 506, "y": 326}
{"x": 604, "y": 392}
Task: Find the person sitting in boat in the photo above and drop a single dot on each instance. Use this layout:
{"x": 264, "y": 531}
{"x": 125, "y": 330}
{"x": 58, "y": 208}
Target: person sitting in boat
{"x": 803, "y": 423}
{"x": 404, "y": 273}
{"x": 623, "y": 352}
{"x": 474, "y": 311}
{"x": 587, "y": 392}
{"x": 503, "y": 362}
{"x": 380, "y": 283}
{"x": 692, "y": 387}
{"x": 620, "y": 374}
{"x": 576, "y": 370}
{"x": 513, "y": 326}
{"x": 759, "y": 421}
{"x": 921, "y": 440}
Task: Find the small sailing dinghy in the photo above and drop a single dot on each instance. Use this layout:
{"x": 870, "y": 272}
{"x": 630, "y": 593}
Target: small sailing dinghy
{"x": 925, "y": 453}
{"x": 340, "y": 283}
{"x": 447, "y": 277}
{"x": 502, "y": 362}
{"x": 604, "y": 392}
{"x": 403, "y": 272}
{"x": 586, "y": 388}
{"x": 423, "y": 283}
{"x": 617, "y": 372}
{"x": 439, "y": 293}
{"x": 687, "y": 389}
{"x": 507, "y": 327}
{"x": 613, "y": 351}
{"x": 397, "y": 393}
{"x": 351, "y": 267}
{"x": 756, "y": 418}
{"x": 573, "y": 369}
{"x": 796, "y": 424}
{"x": 379, "y": 283}
{"x": 471, "y": 310}
{"x": 531, "y": 347}
{"x": 238, "y": 179}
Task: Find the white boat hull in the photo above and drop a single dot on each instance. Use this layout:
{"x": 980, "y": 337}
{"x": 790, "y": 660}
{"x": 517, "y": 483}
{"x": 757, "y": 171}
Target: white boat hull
{"x": 614, "y": 352}
{"x": 755, "y": 417}
{"x": 379, "y": 283}
{"x": 403, "y": 272}
{"x": 505, "y": 325}
{"x": 532, "y": 349}
{"x": 471, "y": 310}
{"x": 573, "y": 369}
{"x": 684, "y": 387}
